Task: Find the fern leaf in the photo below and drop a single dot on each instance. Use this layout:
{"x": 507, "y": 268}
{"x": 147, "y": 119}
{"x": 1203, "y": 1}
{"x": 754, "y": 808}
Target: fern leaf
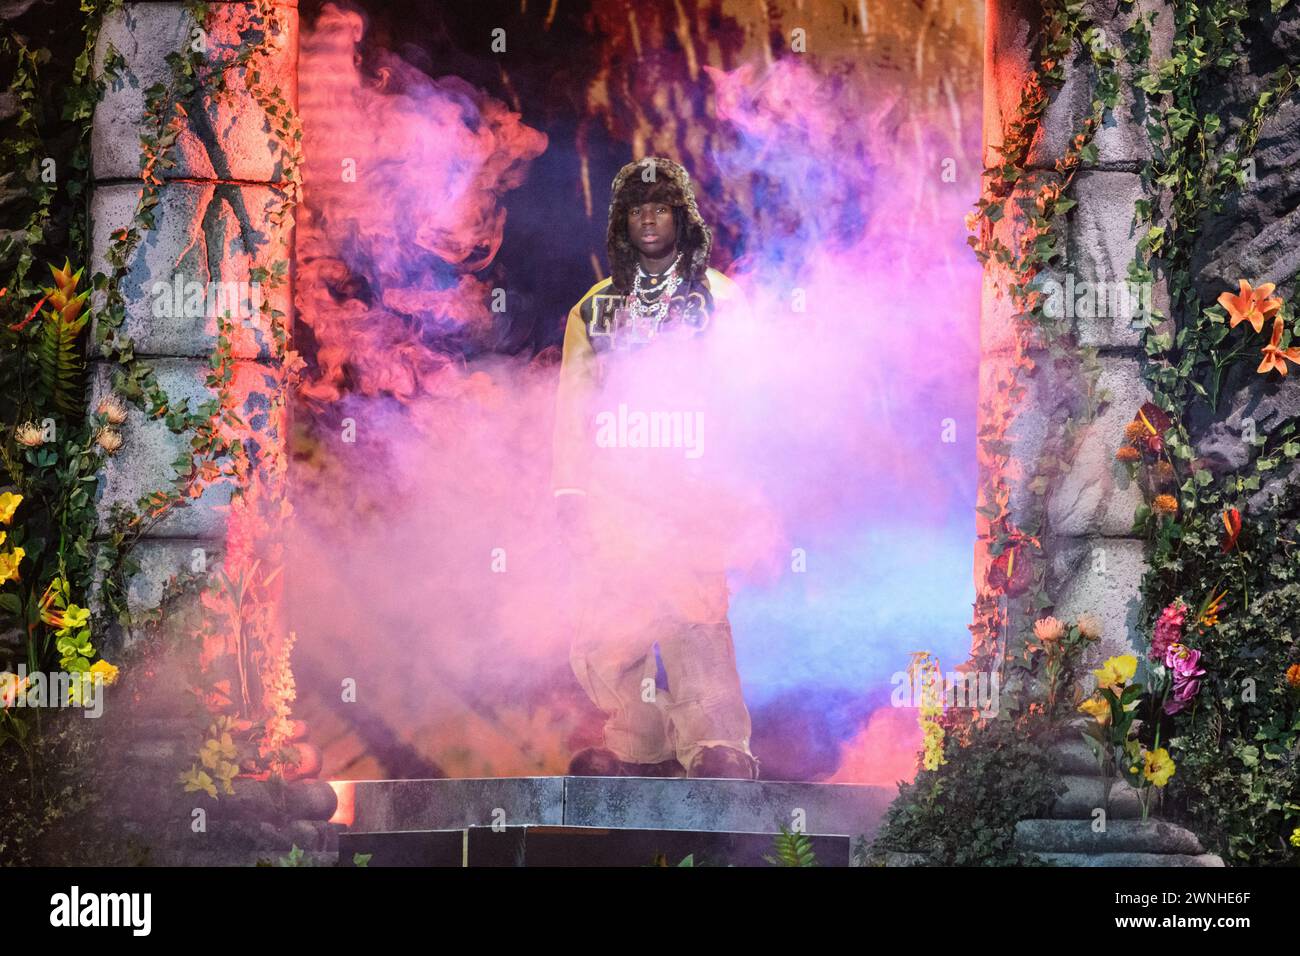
{"x": 792, "y": 849}
{"x": 60, "y": 362}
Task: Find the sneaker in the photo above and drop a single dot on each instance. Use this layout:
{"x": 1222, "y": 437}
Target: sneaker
{"x": 599, "y": 762}
{"x": 724, "y": 763}
{"x": 595, "y": 762}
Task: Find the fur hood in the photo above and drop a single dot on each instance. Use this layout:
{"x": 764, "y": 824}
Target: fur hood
{"x": 671, "y": 183}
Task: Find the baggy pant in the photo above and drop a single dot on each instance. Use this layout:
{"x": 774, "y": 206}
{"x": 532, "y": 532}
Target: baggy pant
{"x": 612, "y": 654}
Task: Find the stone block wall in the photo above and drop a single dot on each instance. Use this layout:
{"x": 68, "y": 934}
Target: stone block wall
{"x": 1094, "y": 563}
{"x": 214, "y": 225}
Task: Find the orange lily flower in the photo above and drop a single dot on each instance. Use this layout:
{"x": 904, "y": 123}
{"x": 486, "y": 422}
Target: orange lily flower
{"x": 1274, "y": 356}
{"x": 1251, "y": 305}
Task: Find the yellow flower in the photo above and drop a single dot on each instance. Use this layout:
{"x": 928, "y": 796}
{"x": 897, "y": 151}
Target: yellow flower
{"x": 106, "y": 669}
{"x": 1116, "y": 672}
{"x": 9, "y": 562}
{"x": 1295, "y": 837}
{"x": 196, "y": 780}
{"x": 10, "y": 688}
{"x": 74, "y": 617}
{"x": 9, "y": 503}
{"x": 1097, "y": 709}
{"x": 1159, "y": 767}
{"x": 214, "y": 750}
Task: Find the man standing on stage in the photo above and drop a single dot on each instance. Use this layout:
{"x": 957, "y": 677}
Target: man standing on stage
{"x": 646, "y": 585}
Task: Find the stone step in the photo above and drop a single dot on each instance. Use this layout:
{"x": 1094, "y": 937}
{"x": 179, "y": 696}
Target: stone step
{"x": 1120, "y": 836}
{"x": 1130, "y": 859}
{"x": 175, "y": 857}
{"x": 1074, "y": 757}
{"x": 233, "y": 836}
{"x": 1083, "y": 794}
{"x": 256, "y": 800}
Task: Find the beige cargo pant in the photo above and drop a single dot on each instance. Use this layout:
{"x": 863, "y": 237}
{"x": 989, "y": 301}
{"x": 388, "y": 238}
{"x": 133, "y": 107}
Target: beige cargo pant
{"x": 642, "y": 591}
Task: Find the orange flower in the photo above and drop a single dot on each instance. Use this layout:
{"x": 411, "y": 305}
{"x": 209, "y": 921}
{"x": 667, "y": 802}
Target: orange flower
{"x": 1049, "y": 630}
{"x": 1273, "y": 355}
{"x": 1231, "y": 521}
{"x": 1165, "y": 504}
{"x": 1251, "y": 305}
{"x": 1134, "y": 432}
{"x": 1089, "y": 626}
{"x": 1128, "y": 453}
{"x": 1210, "y": 616}
{"x": 1293, "y": 675}
{"x": 63, "y": 297}
{"x": 109, "y": 439}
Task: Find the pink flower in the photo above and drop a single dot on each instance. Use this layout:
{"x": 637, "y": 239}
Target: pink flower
{"x": 1184, "y": 694}
{"x": 1185, "y": 665}
{"x": 1168, "y": 629}
{"x": 1183, "y": 661}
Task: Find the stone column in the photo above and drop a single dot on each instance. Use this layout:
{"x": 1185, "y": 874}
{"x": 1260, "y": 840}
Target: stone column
{"x": 214, "y": 223}
{"x": 1094, "y": 563}
{"x": 211, "y": 225}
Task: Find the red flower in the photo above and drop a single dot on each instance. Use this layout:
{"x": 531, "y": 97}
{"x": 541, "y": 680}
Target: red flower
{"x": 1010, "y": 572}
{"x": 1155, "y": 418}
{"x": 19, "y": 326}
{"x": 1232, "y": 522}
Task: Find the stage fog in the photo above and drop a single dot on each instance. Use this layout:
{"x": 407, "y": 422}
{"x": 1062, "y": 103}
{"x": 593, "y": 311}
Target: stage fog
{"x": 455, "y": 204}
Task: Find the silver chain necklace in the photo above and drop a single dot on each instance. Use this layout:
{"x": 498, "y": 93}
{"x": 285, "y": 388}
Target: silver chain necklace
{"x": 654, "y": 313}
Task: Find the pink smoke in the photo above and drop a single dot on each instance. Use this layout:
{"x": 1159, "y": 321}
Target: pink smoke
{"x": 425, "y": 560}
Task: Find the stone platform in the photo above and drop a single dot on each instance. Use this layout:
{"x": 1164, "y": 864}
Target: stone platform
{"x": 641, "y": 803}
{"x": 599, "y": 821}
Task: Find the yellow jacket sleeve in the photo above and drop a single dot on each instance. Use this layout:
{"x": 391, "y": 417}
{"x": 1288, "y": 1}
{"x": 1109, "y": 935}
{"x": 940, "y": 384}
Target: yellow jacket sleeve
{"x": 579, "y": 381}
{"x": 728, "y": 294}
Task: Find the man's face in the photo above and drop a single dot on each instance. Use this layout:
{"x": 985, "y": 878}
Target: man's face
{"x": 651, "y": 229}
